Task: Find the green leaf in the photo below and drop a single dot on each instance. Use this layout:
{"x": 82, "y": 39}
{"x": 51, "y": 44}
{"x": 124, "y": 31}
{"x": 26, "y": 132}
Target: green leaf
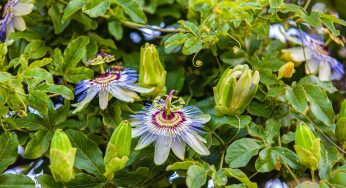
{"x": 38, "y": 145}
{"x": 55, "y": 12}
{"x": 276, "y": 3}
{"x": 112, "y": 116}
{"x": 8, "y": 149}
{"x": 320, "y": 105}
{"x": 40, "y": 63}
{"x": 56, "y": 89}
{"x": 192, "y": 45}
{"x": 36, "y": 49}
{"x": 71, "y": 8}
{"x": 115, "y": 29}
{"x": 240, "y": 176}
{"x": 74, "y": 75}
{"x": 134, "y": 10}
{"x": 176, "y": 79}
{"x": 308, "y": 184}
{"x": 328, "y": 23}
{"x": 313, "y": 80}
{"x": 75, "y": 51}
{"x": 181, "y": 165}
{"x": 38, "y": 74}
{"x": 38, "y": 100}
{"x": 189, "y": 26}
{"x": 219, "y": 121}
{"x": 176, "y": 40}
{"x": 89, "y": 156}
{"x": 47, "y": 181}
{"x": 296, "y": 96}
{"x": 269, "y": 157}
{"x": 5, "y": 76}
{"x": 31, "y": 122}
{"x": 196, "y": 176}
{"x": 16, "y": 181}
{"x": 85, "y": 181}
{"x": 241, "y": 151}
{"x": 96, "y": 8}
{"x": 259, "y": 109}
{"x": 130, "y": 178}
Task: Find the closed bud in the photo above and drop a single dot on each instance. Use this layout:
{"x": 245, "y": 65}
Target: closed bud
{"x": 151, "y": 70}
{"x": 62, "y": 156}
{"x": 118, "y": 149}
{"x": 235, "y": 90}
{"x": 307, "y": 146}
{"x": 286, "y": 70}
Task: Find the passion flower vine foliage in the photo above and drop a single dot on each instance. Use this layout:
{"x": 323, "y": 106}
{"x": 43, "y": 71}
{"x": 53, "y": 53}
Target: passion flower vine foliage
{"x": 223, "y": 93}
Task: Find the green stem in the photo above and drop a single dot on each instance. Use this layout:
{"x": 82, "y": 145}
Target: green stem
{"x": 312, "y": 175}
{"x": 12, "y": 90}
{"x": 138, "y": 26}
{"x": 307, "y": 4}
{"x": 219, "y": 138}
{"x": 290, "y": 171}
{"x": 102, "y": 68}
{"x": 222, "y": 158}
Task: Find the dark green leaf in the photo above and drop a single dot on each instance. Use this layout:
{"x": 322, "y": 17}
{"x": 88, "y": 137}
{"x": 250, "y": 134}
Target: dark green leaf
{"x": 47, "y": 181}
{"x": 130, "y": 178}
{"x": 196, "y": 176}
{"x": 71, "y": 8}
{"x": 115, "y": 29}
{"x": 85, "y": 181}
{"x": 89, "y": 156}
{"x": 16, "y": 181}
{"x": 296, "y": 96}
{"x": 8, "y": 150}
{"x": 134, "y": 10}
{"x": 320, "y": 105}
{"x": 38, "y": 145}
{"x": 96, "y": 8}
{"x": 75, "y": 75}
{"x": 75, "y": 51}
{"x": 38, "y": 100}
{"x": 241, "y": 151}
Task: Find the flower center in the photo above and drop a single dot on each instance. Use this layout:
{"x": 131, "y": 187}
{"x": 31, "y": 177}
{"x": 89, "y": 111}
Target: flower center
{"x": 107, "y": 78}
{"x": 161, "y": 119}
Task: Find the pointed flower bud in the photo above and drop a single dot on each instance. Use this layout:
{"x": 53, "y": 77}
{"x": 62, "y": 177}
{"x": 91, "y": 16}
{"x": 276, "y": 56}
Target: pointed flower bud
{"x": 340, "y": 131}
{"x": 286, "y": 70}
{"x": 62, "y": 156}
{"x": 307, "y": 146}
{"x": 151, "y": 70}
{"x": 118, "y": 149}
{"x": 235, "y": 90}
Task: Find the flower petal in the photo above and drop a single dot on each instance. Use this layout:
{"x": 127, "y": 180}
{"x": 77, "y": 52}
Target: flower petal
{"x": 324, "y": 71}
{"x": 91, "y": 94}
{"x": 19, "y": 23}
{"x": 203, "y": 118}
{"x": 22, "y": 9}
{"x": 145, "y": 140}
{"x": 178, "y": 147}
{"x": 311, "y": 66}
{"x": 139, "y": 89}
{"x": 297, "y": 53}
{"x": 121, "y": 94}
{"x": 162, "y": 148}
{"x": 195, "y": 143}
{"x": 103, "y": 98}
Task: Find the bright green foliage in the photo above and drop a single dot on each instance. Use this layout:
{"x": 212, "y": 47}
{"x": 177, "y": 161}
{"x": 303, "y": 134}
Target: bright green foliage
{"x": 220, "y": 58}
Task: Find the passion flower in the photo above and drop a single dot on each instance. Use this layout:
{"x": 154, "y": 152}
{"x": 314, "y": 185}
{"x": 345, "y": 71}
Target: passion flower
{"x": 118, "y": 81}
{"x": 171, "y": 126}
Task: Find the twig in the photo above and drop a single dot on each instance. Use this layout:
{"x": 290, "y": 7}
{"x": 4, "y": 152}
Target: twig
{"x": 139, "y": 26}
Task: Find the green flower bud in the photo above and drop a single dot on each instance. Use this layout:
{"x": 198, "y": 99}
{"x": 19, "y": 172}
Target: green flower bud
{"x": 235, "y": 90}
{"x": 151, "y": 70}
{"x": 118, "y": 149}
{"x": 62, "y": 156}
{"x": 307, "y": 146}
